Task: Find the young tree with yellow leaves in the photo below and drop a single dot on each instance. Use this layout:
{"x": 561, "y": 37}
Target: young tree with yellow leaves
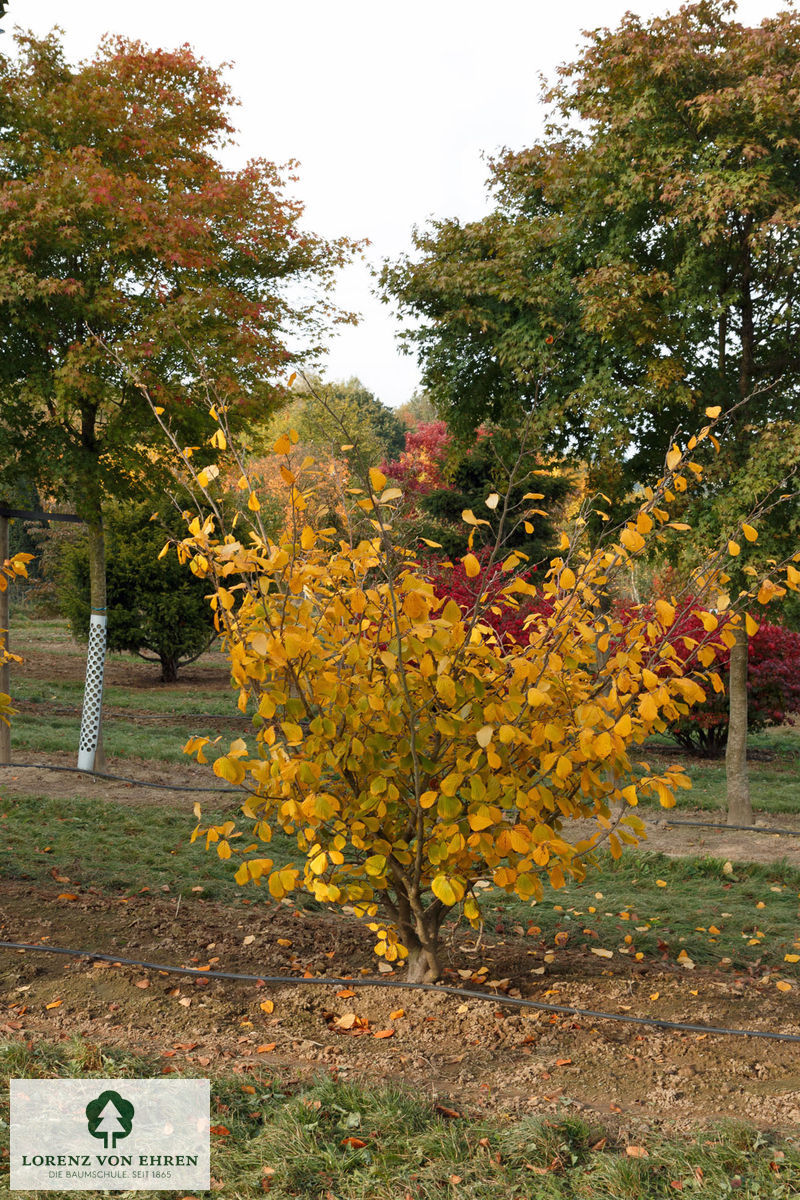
{"x": 409, "y": 753}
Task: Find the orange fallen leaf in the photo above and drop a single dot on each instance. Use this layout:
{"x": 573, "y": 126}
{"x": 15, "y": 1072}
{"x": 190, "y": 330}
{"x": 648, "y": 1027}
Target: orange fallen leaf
{"x": 383, "y": 1033}
{"x": 563, "y": 1062}
{"x": 636, "y": 1152}
{"x": 345, "y": 993}
{"x": 141, "y": 983}
{"x": 446, "y": 1112}
{"x": 267, "y": 1006}
{"x": 354, "y": 1142}
{"x": 397, "y": 1014}
{"x": 220, "y": 1130}
{"x": 53, "y": 1004}
{"x": 67, "y": 896}
{"x": 600, "y": 953}
{"x": 454, "y": 1179}
{"x": 346, "y": 1021}
{"x": 284, "y": 941}
{"x": 249, "y": 1090}
{"x": 184, "y": 1001}
{"x": 783, "y": 986}
{"x": 266, "y": 1048}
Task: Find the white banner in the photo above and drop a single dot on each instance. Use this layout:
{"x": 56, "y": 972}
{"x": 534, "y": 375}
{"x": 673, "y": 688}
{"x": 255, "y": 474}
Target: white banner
{"x": 109, "y": 1134}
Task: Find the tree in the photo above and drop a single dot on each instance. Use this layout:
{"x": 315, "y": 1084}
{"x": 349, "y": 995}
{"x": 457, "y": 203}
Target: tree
{"x": 120, "y": 229}
{"x": 156, "y": 607}
{"x": 639, "y": 266}
{"x": 408, "y": 750}
{"x": 350, "y": 405}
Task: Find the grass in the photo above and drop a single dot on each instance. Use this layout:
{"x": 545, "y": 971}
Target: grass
{"x": 773, "y": 782}
{"x": 291, "y": 1140}
{"x": 115, "y": 848}
{"x": 665, "y": 905}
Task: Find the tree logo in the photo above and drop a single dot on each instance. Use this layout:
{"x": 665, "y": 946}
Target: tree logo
{"x": 110, "y": 1118}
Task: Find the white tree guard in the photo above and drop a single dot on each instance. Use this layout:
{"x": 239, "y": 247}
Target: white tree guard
{"x": 93, "y": 693}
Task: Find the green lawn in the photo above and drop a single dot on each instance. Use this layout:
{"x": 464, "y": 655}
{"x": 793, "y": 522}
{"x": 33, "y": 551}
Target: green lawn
{"x": 359, "y": 1142}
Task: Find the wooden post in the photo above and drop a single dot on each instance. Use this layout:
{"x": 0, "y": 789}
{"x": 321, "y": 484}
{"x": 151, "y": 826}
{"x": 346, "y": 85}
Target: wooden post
{"x": 5, "y": 730}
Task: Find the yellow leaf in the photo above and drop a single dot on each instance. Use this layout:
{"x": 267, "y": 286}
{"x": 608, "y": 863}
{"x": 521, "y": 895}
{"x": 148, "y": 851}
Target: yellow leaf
{"x": 308, "y": 538}
{"x": 713, "y": 412}
{"x": 158, "y": 410}
{"x": 666, "y": 612}
{"x": 566, "y": 579}
{"x": 631, "y": 539}
{"x": 673, "y": 458}
{"x": 443, "y": 889}
{"x": 377, "y": 479}
{"x": 267, "y": 1006}
{"x": 469, "y": 516}
{"x": 492, "y": 500}
{"x": 219, "y": 440}
{"x": 391, "y": 494}
{"x": 733, "y": 548}
{"x": 282, "y": 446}
{"x": 602, "y": 953}
{"x": 471, "y": 566}
{"x": 661, "y": 883}
{"x": 750, "y": 533}
{"x": 484, "y": 735}
{"x": 783, "y": 986}
{"x": 253, "y": 502}
{"x": 750, "y": 625}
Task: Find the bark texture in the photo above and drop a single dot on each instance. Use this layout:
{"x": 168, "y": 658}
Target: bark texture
{"x": 740, "y": 810}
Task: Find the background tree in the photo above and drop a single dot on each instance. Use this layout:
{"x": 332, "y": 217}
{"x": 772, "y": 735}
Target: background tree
{"x": 639, "y": 265}
{"x": 119, "y": 223}
{"x": 156, "y": 608}
{"x": 349, "y": 406}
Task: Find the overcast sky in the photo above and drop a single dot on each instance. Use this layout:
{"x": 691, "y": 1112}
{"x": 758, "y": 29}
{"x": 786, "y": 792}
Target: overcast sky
{"x": 388, "y": 108}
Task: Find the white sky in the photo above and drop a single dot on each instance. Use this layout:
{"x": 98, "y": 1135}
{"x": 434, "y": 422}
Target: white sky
{"x": 388, "y": 108}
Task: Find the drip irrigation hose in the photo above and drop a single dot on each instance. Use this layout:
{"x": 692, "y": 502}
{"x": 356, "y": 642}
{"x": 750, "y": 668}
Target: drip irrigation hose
{"x": 746, "y": 828}
{"x": 444, "y": 989}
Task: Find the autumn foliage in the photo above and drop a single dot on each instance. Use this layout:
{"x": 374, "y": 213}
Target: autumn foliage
{"x": 410, "y": 751}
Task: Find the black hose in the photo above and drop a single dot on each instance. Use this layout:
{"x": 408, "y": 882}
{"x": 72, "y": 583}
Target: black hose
{"x": 445, "y": 989}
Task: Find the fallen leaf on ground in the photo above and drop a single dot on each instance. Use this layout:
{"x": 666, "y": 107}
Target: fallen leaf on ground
{"x": 141, "y": 983}
{"x": 266, "y": 1048}
{"x": 267, "y": 1006}
{"x": 383, "y": 1033}
{"x": 354, "y": 1142}
{"x": 636, "y": 1152}
{"x": 53, "y": 1004}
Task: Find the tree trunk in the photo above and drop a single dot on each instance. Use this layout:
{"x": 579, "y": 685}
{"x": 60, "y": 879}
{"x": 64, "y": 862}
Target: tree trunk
{"x": 740, "y": 810}
{"x": 169, "y": 668}
{"x": 423, "y": 962}
{"x": 419, "y": 932}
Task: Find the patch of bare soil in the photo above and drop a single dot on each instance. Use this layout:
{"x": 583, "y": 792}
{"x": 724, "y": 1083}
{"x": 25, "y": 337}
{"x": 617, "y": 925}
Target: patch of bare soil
{"x": 472, "y": 1055}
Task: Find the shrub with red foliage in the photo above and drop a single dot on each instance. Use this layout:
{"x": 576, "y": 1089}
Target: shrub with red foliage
{"x": 419, "y": 469}
{"x": 773, "y": 681}
{"x": 453, "y": 583}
